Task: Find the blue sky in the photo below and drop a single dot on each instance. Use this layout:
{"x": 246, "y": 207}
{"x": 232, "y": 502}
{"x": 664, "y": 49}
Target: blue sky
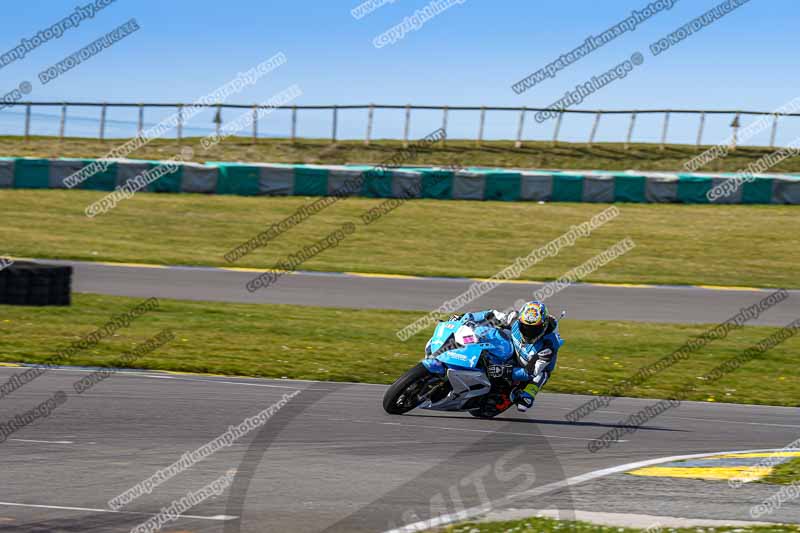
{"x": 470, "y": 54}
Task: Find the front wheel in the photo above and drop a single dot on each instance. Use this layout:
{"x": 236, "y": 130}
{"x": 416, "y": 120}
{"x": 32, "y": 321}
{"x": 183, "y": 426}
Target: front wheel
{"x": 404, "y": 394}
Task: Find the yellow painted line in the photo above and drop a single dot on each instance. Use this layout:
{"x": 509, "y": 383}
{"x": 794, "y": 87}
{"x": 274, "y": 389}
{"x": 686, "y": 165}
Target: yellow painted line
{"x": 765, "y": 454}
{"x": 136, "y": 265}
{"x": 509, "y": 281}
{"x": 15, "y": 365}
{"x": 728, "y": 288}
{"x": 628, "y": 285}
{"x": 392, "y": 276}
{"x": 242, "y": 269}
{"x": 180, "y": 373}
{"x": 405, "y": 276}
{"x": 716, "y": 473}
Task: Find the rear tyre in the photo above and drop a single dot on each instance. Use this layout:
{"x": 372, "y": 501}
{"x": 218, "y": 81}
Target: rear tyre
{"x": 403, "y": 395}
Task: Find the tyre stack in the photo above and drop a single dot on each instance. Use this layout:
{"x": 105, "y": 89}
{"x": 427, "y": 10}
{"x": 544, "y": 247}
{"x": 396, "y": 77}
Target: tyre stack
{"x": 28, "y": 283}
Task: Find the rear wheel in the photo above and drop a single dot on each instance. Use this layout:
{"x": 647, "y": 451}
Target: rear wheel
{"x": 404, "y": 394}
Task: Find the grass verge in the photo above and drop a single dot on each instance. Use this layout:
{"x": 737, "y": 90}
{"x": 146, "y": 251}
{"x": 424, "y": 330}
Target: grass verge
{"x": 545, "y": 525}
{"x": 283, "y": 341}
{"x": 675, "y": 244}
{"x": 534, "y": 154}
{"x": 784, "y": 474}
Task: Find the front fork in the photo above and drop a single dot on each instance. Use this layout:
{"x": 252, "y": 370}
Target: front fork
{"x": 427, "y": 395}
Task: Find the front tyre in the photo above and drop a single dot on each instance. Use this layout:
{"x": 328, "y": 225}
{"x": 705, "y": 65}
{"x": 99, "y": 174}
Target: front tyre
{"x": 403, "y": 395}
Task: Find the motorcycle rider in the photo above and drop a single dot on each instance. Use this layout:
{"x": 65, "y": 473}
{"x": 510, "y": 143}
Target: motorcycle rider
{"x": 534, "y": 334}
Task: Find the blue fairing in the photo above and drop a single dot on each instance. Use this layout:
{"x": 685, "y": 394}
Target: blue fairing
{"x": 434, "y": 366}
{"x": 466, "y": 357}
{"x": 494, "y": 344}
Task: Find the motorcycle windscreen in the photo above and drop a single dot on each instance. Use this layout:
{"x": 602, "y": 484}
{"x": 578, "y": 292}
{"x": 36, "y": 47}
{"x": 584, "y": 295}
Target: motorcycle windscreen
{"x": 466, "y": 357}
{"x": 442, "y": 333}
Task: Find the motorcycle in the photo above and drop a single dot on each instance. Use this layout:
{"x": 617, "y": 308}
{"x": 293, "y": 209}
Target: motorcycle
{"x": 467, "y": 367}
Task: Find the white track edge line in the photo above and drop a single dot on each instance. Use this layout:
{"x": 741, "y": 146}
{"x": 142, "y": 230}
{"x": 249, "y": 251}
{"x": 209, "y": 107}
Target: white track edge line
{"x": 472, "y": 512}
{"x": 221, "y": 517}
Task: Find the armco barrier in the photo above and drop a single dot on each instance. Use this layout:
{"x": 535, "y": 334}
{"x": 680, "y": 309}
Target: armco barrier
{"x": 250, "y": 179}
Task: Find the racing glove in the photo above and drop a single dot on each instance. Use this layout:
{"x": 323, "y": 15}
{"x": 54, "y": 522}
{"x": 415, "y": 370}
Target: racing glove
{"x": 503, "y": 319}
{"x": 499, "y": 316}
{"x": 539, "y": 367}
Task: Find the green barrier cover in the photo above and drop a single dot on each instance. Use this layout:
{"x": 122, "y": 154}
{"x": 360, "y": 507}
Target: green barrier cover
{"x": 758, "y": 191}
{"x": 693, "y": 189}
{"x": 238, "y": 179}
{"x": 309, "y": 181}
{"x": 567, "y": 188}
{"x": 629, "y": 189}
{"x": 377, "y": 184}
{"x": 32, "y": 174}
{"x": 169, "y": 182}
{"x": 102, "y": 181}
{"x": 437, "y": 184}
{"x": 505, "y": 186}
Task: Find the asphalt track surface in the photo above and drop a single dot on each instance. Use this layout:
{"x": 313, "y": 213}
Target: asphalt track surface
{"x": 582, "y": 301}
{"x": 332, "y": 460}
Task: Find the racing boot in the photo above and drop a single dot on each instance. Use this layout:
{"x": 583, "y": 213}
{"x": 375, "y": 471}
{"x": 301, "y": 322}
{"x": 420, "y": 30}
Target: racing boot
{"x": 524, "y": 397}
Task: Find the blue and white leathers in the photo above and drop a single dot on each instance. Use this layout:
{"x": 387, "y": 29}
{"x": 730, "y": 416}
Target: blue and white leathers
{"x": 528, "y": 352}
{"x": 541, "y": 354}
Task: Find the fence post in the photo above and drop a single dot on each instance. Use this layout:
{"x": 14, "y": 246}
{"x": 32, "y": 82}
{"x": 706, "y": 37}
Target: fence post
{"x": 63, "y": 124}
{"x": 558, "y": 127}
{"x": 27, "y": 121}
{"x": 735, "y": 137}
{"x": 480, "y": 126}
{"x": 630, "y": 130}
{"x": 700, "y": 129}
{"x": 444, "y": 125}
{"x": 294, "y": 123}
{"x": 774, "y": 131}
{"x": 103, "y": 122}
{"x": 180, "y": 122}
{"x": 594, "y": 127}
{"x": 664, "y": 130}
{"x": 218, "y": 120}
{"x": 141, "y": 120}
{"x": 370, "y": 114}
{"x": 335, "y": 123}
{"x": 255, "y": 123}
{"x": 407, "y": 126}
{"x": 520, "y": 128}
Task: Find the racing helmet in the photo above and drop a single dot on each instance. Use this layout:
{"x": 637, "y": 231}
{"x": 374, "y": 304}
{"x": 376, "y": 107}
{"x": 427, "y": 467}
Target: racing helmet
{"x": 532, "y": 320}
